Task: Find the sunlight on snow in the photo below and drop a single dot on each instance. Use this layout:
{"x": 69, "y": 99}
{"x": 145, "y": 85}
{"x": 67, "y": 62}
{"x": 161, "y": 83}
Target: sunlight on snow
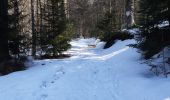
{"x": 108, "y": 56}
{"x": 167, "y": 98}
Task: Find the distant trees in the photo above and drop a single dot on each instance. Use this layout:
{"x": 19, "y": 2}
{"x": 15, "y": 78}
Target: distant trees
{"x": 79, "y": 13}
{"x": 118, "y": 15}
{"x": 87, "y": 14}
{"x": 31, "y": 30}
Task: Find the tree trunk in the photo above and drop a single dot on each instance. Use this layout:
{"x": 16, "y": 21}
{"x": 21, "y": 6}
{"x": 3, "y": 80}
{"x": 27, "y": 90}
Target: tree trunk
{"x": 4, "y": 51}
{"x": 16, "y": 13}
{"x": 33, "y": 30}
{"x": 169, "y": 13}
{"x": 129, "y": 13}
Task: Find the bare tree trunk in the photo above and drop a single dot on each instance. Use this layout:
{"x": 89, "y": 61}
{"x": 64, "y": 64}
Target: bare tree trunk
{"x": 41, "y": 19}
{"x": 130, "y": 13}
{"x": 4, "y": 51}
{"x": 37, "y": 17}
{"x": 16, "y": 13}
{"x": 168, "y": 3}
{"x": 33, "y": 30}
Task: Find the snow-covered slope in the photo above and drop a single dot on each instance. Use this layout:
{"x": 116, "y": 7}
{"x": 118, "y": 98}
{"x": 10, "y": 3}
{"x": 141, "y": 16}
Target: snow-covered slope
{"x": 116, "y": 73}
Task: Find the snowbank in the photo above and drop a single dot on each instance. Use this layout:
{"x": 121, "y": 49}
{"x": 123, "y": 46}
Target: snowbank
{"x": 133, "y": 31}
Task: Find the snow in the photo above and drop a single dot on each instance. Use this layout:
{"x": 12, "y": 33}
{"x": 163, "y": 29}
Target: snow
{"x": 158, "y": 59}
{"x": 116, "y": 73}
{"x": 133, "y": 31}
{"x": 163, "y": 24}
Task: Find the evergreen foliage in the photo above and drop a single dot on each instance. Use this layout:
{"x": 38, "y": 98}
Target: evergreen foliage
{"x": 155, "y": 37}
{"x": 50, "y": 32}
{"x": 106, "y": 26}
{"x": 117, "y": 36}
{"x": 53, "y": 40}
{"x": 153, "y": 13}
{"x": 108, "y": 30}
{"x": 15, "y": 35}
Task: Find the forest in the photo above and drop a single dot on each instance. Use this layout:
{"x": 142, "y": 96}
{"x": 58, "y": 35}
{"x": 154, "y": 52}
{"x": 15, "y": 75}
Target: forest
{"x": 43, "y": 28}
{"x": 54, "y": 31}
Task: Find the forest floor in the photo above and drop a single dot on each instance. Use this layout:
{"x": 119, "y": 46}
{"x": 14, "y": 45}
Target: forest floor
{"x": 92, "y": 73}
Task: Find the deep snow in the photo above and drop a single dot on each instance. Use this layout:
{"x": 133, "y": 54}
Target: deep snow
{"x": 116, "y": 73}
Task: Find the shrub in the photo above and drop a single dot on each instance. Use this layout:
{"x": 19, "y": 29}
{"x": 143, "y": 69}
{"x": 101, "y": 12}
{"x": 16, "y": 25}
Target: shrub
{"x": 59, "y": 44}
{"x": 110, "y": 40}
{"x": 155, "y": 40}
{"x": 54, "y": 47}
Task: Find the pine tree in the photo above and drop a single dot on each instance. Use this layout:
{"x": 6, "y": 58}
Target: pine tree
{"x": 153, "y": 13}
{"x": 15, "y": 36}
{"x": 55, "y": 19}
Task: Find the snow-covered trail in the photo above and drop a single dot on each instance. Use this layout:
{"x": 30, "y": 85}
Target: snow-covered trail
{"x": 91, "y": 74}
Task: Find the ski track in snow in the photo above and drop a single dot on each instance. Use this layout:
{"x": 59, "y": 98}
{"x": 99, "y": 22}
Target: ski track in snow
{"x": 90, "y": 74}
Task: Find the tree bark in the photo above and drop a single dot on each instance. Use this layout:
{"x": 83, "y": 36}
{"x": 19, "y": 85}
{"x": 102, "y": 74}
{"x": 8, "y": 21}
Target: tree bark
{"x": 16, "y": 13}
{"x": 169, "y": 13}
{"x": 33, "y": 30}
{"x": 4, "y": 51}
{"x": 130, "y": 13}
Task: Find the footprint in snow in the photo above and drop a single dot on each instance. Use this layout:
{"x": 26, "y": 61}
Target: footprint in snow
{"x": 43, "y": 96}
{"x": 44, "y": 84}
{"x": 56, "y": 76}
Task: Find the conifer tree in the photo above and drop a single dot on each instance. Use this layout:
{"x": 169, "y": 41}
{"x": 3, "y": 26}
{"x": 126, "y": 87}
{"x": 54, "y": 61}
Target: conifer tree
{"x": 152, "y": 14}
{"x": 55, "y": 26}
{"x": 14, "y": 27}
